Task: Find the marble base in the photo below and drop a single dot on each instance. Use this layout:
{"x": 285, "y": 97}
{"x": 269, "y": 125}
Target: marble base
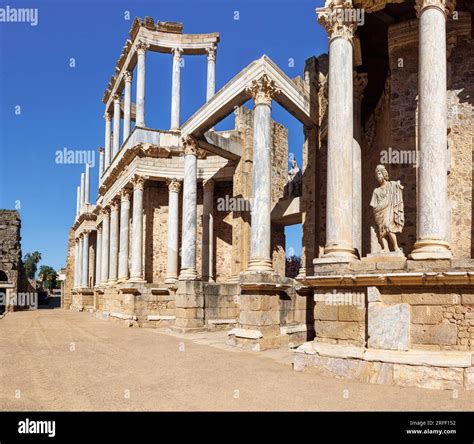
{"x": 430, "y": 249}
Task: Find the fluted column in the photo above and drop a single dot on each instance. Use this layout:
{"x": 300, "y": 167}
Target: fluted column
{"x": 101, "y": 162}
{"x": 87, "y": 181}
{"x": 124, "y": 236}
{"x": 174, "y": 187}
{"x": 136, "y": 266}
{"x": 189, "y": 227}
{"x": 211, "y": 72}
{"x": 127, "y": 104}
{"x": 77, "y": 263}
{"x": 104, "y": 266}
{"x": 360, "y": 82}
{"x": 114, "y": 241}
{"x": 432, "y": 131}
{"x": 208, "y": 231}
{"x": 339, "y": 212}
{"x": 140, "y": 105}
{"x": 85, "y": 259}
{"x": 175, "y": 88}
{"x": 83, "y": 190}
{"x": 78, "y": 201}
{"x": 116, "y": 136}
{"x": 107, "y": 149}
{"x": 80, "y": 263}
{"x": 262, "y": 90}
{"x": 98, "y": 255}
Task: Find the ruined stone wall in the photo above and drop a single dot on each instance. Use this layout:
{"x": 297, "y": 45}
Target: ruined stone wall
{"x": 10, "y": 249}
{"x": 223, "y": 226}
{"x": 69, "y": 284}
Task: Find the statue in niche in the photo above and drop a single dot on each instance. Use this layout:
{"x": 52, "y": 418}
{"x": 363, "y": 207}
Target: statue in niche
{"x": 294, "y": 180}
{"x": 387, "y": 204}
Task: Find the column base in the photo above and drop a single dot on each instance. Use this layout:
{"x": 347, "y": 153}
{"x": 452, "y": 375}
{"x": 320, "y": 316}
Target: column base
{"x": 258, "y": 264}
{"x": 339, "y": 252}
{"x": 171, "y": 280}
{"x": 112, "y": 281}
{"x": 188, "y": 274}
{"x": 430, "y": 249}
{"x": 137, "y": 279}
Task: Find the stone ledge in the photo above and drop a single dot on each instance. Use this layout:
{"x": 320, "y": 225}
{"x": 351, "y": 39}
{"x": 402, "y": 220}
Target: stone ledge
{"x": 410, "y": 357}
{"x": 123, "y": 316}
{"x": 221, "y": 321}
{"x": 290, "y": 329}
{"x": 160, "y": 318}
{"x": 245, "y": 333}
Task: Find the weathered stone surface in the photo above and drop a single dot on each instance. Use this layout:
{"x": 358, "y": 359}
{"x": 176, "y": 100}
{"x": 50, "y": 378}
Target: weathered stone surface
{"x": 325, "y": 312}
{"x": 373, "y": 294}
{"x": 444, "y": 298}
{"x": 467, "y": 298}
{"x": 351, "y": 313}
{"x": 336, "y": 330}
{"x": 422, "y": 314}
{"x": 442, "y": 334}
{"x": 427, "y": 377}
{"x": 469, "y": 378}
{"x": 389, "y": 326}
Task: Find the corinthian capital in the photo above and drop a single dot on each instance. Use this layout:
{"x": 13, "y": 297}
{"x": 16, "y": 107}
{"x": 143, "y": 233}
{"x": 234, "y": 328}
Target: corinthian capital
{"x": 339, "y": 19}
{"x": 177, "y": 53}
{"x": 127, "y": 76}
{"x": 211, "y": 53}
{"x": 174, "y": 185}
{"x": 142, "y": 47}
{"x": 108, "y": 117}
{"x": 190, "y": 144}
{"x": 138, "y": 182}
{"x": 445, "y": 6}
{"x": 262, "y": 90}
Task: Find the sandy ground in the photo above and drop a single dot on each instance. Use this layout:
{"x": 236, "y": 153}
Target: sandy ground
{"x": 63, "y": 360}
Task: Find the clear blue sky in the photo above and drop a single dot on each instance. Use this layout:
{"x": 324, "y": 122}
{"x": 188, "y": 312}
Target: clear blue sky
{"x": 61, "y": 106}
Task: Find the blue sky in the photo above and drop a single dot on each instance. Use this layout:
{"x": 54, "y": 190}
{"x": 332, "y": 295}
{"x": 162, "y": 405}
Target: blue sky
{"x": 60, "y": 106}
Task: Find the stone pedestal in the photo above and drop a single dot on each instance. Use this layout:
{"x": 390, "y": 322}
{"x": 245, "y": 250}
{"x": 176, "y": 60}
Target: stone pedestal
{"x": 259, "y": 321}
{"x": 189, "y": 305}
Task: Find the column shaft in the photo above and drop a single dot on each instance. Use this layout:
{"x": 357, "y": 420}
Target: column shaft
{"x": 104, "y": 272}
{"x": 87, "y": 181}
{"x": 114, "y": 241}
{"x": 98, "y": 255}
{"x": 85, "y": 260}
{"x": 140, "y": 106}
{"x": 116, "y": 137}
{"x": 208, "y": 232}
{"x": 83, "y": 190}
{"x": 137, "y": 231}
{"x": 189, "y": 227}
{"x": 173, "y": 228}
{"x": 78, "y": 201}
{"x": 124, "y": 236}
{"x": 211, "y": 73}
{"x": 101, "y": 163}
{"x": 107, "y": 149}
{"x": 127, "y": 105}
{"x": 175, "y": 89}
{"x": 432, "y": 136}
{"x": 76, "y": 263}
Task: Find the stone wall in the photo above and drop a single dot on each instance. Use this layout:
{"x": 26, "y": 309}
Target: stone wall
{"x": 10, "y": 249}
{"x": 69, "y": 283}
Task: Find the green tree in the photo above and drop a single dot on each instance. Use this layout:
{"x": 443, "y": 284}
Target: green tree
{"x": 30, "y": 262}
{"x": 48, "y": 277}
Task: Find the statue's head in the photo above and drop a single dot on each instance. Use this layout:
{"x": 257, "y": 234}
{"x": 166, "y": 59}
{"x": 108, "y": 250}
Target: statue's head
{"x": 381, "y": 174}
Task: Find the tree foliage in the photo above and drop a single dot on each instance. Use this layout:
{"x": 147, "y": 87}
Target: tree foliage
{"x": 48, "y": 277}
{"x": 30, "y": 263}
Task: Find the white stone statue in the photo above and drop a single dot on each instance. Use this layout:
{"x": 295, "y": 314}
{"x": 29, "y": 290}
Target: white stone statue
{"x": 294, "y": 179}
{"x": 387, "y": 204}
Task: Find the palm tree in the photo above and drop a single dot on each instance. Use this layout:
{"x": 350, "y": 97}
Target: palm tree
{"x": 48, "y": 277}
{"x": 31, "y": 263}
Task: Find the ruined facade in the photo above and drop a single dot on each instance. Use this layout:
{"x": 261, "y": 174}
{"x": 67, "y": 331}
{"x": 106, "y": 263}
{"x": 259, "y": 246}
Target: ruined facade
{"x": 157, "y": 248}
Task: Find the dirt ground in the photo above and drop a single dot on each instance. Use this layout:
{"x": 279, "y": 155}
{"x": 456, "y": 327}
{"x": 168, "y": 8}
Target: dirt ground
{"x": 63, "y": 360}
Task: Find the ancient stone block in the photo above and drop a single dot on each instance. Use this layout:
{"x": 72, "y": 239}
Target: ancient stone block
{"x": 389, "y": 326}
{"x": 427, "y": 377}
{"x": 325, "y": 312}
{"x": 337, "y": 330}
{"x": 426, "y": 314}
{"x": 351, "y": 313}
{"x": 444, "y": 298}
{"x": 467, "y": 298}
{"x": 442, "y": 334}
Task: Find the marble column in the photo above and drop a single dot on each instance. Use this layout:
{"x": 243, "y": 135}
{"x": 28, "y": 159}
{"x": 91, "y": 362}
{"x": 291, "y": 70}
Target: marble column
{"x": 83, "y": 190}
{"x": 124, "y": 236}
{"x": 87, "y": 181}
{"x": 116, "y": 136}
{"x": 174, "y": 187}
{"x": 208, "y": 231}
{"x": 76, "y": 263}
{"x": 107, "y": 153}
{"x": 79, "y": 264}
{"x": 175, "y": 88}
{"x": 85, "y": 259}
{"x": 360, "y": 82}
{"x": 101, "y": 162}
{"x": 433, "y": 213}
{"x": 261, "y": 90}
{"x": 189, "y": 226}
{"x": 78, "y": 201}
{"x": 98, "y": 255}
{"x": 136, "y": 265}
{"x": 104, "y": 265}
{"x": 114, "y": 241}
{"x": 140, "y": 106}
{"x": 211, "y": 72}
{"x": 339, "y": 211}
{"x": 127, "y": 105}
